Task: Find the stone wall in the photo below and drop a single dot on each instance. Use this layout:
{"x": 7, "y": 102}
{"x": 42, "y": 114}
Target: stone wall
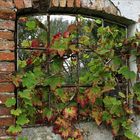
{"x": 90, "y": 131}
{"x": 9, "y": 9}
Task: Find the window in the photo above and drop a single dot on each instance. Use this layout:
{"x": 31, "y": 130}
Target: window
{"x": 41, "y": 36}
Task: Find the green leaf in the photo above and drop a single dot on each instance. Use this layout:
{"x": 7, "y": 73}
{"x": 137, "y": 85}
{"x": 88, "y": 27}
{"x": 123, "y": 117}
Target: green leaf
{"x": 26, "y": 43}
{"x": 130, "y": 135}
{"x": 22, "y": 119}
{"x": 22, "y": 64}
{"x": 98, "y": 21}
{"x": 31, "y": 25}
{"x": 38, "y": 73}
{"x": 47, "y": 112}
{"x": 60, "y": 91}
{"x": 116, "y": 125}
{"x": 10, "y": 102}
{"x": 106, "y": 116}
{"x": 16, "y": 112}
{"x": 14, "y": 129}
{"x": 54, "y": 81}
{"x": 122, "y": 95}
{"x": 29, "y": 80}
{"x": 25, "y": 94}
{"x": 127, "y": 73}
{"x": 56, "y": 66}
{"x": 117, "y": 61}
{"x": 96, "y": 90}
{"x": 112, "y": 104}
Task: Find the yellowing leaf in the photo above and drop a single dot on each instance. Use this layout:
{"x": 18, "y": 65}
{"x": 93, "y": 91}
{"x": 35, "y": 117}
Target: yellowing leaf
{"x": 16, "y": 112}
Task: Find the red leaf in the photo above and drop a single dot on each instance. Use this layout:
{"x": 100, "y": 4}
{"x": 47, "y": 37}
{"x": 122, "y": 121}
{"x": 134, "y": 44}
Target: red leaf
{"x": 35, "y": 43}
{"x": 29, "y": 61}
{"x": 70, "y": 112}
{"x": 97, "y": 115}
{"x": 82, "y": 100}
{"x": 92, "y": 97}
{"x": 57, "y": 36}
{"x": 66, "y": 34}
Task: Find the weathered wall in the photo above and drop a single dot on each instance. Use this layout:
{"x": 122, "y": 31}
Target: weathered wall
{"x": 8, "y": 11}
{"x": 89, "y": 130}
{"x": 131, "y": 10}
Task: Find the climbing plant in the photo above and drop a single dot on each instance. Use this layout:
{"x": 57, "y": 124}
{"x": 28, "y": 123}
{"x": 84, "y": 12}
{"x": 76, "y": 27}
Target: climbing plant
{"x": 98, "y": 91}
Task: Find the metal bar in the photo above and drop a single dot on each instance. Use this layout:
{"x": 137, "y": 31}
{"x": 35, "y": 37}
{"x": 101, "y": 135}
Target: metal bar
{"x": 42, "y": 49}
{"x": 48, "y": 57}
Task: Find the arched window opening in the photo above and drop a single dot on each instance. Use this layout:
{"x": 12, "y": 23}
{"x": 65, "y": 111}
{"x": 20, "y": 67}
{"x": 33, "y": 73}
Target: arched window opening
{"x": 38, "y": 38}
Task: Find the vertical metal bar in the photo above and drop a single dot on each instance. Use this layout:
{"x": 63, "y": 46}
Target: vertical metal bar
{"x": 48, "y": 57}
{"x": 78, "y": 62}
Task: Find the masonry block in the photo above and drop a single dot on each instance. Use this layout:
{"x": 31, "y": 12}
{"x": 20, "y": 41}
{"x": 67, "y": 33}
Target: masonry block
{"x": 19, "y": 4}
{"x": 70, "y": 3}
{"x": 77, "y": 3}
{"x": 7, "y": 56}
{"x": 7, "y": 45}
{"x": 4, "y": 111}
{"x": 7, "y": 24}
{"x": 7, "y": 14}
{"x": 27, "y": 3}
{"x": 6, "y": 4}
{"x": 7, "y": 35}
{"x": 6, "y": 87}
{"x": 63, "y": 3}
{"x": 7, "y": 66}
{"x": 54, "y": 3}
{"x": 5, "y": 77}
{"x": 7, "y": 121}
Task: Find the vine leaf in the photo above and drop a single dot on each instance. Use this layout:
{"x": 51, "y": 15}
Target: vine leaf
{"x": 14, "y": 129}
{"x": 31, "y": 25}
{"x": 61, "y": 94}
{"x": 82, "y": 100}
{"x": 122, "y": 95}
{"x": 26, "y": 94}
{"x": 26, "y": 43}
{"x": 29, "y": 80}
{"x": 127, "y": 73}
{"x": 115, "y": 126}
{"x": 16, "y": 112}
{"x": 22, "y": 119}
{"x": 70, "y": 112}
{"x": 97, "y": 115}
{"x": 130, "y": 135}
{"x": 22, "y": 64}
{"x": 98, "y": 21}
{"x": 10, "y": 102}
{"x": 47, "y": 113}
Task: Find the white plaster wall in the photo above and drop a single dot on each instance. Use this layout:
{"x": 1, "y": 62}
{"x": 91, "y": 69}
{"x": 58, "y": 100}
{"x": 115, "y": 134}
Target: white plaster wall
{"x": 129, "y": 8}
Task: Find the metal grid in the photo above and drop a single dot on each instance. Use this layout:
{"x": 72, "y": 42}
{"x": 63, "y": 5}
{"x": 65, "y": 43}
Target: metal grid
{"x": 75, "y": 84}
